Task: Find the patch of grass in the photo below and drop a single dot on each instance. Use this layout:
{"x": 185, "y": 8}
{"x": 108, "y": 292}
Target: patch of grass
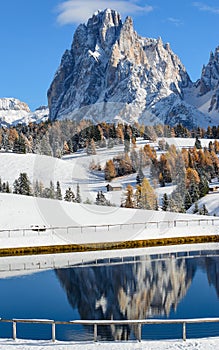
{"x": 107, "y": 245}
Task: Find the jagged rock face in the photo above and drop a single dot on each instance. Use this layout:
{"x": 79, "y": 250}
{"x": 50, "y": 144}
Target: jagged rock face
{"x": 209, "y": 81}
{"x": 111, "y": 73}
{"x": 14, "y": 104}
{"x": 210, "y": 74}
{"x": 13, "y": 112}
{"x": 204, "y": 94}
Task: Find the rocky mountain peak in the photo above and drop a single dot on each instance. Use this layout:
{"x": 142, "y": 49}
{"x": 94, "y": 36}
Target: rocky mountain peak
{"x": 210, "y": 73}
{"x": 14, "y": 104}
{"x": 13, "y": 112}
{"x": 111, "y": 73}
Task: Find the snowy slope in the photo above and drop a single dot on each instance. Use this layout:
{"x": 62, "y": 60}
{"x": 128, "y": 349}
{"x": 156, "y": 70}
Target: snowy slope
{"x": 203, "y": 104}
{"x": 211, "y": 201}
{"x": 74, "y": 169}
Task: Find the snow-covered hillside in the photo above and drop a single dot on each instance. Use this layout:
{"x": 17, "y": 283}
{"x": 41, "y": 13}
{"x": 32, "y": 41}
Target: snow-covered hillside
{"x": 13, "y": 112}
{"x": 74, "y": 169}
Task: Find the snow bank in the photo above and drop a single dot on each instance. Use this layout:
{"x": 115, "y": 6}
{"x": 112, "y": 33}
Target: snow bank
{"x": 193, "y": 344}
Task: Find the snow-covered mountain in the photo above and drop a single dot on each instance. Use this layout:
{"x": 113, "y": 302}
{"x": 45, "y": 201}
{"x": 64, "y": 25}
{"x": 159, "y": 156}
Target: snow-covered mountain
{"x": 111, "y": 73}
{"x": 13, "y": 112}
{"x": 204, "y": 94}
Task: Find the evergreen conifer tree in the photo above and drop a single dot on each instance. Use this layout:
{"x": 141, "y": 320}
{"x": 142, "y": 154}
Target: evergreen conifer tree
{"x": 203, "y": 186}
{"x": 194, "y": 192}
{"x": 140, "y": 176}
{"x": 69, "y": 195}
{"x": 195, "y": 209}
{"x": 22, "y": 185}
{"x": 58, "y": 191}
{"x": 19, "y": 145}
{"x": 187, "y": 200}
{"x": 78, "y": 195}
{"x": 37, "y": 189}
{"x": 101, "y": 199}
{"x": 198, "y": 143}
{"x": 51, "y": 190}
{"x": 7, "y": 190}
{"x": 203, "y": 210}
{"x": 165, "y": 203}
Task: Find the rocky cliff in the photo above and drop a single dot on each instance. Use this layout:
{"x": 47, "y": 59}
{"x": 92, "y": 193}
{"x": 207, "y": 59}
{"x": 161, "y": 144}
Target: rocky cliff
{"x": 111, "y": 73}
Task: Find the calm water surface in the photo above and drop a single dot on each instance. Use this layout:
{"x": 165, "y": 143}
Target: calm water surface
{"x": 182, "y": 285}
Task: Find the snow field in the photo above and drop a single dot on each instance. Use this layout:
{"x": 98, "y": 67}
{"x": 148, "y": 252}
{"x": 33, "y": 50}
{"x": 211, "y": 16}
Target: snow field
{"x": 193, "y": 344}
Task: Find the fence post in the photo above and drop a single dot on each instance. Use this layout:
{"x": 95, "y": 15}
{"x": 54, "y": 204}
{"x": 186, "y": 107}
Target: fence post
{"x": 139, "y": 332}
{"x": 53, "y": 332}
{"x": 14, "y": 331}
{"x": 184, "y": 331}
{"x": 95, "y": 332}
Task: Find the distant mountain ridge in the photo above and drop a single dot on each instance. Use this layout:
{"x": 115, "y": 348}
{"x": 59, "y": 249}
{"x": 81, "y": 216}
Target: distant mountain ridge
{"x": 113, "y": 74}
{"x": 13, "y": 112}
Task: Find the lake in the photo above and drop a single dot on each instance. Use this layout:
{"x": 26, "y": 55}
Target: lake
{"x": 182, "y": 284}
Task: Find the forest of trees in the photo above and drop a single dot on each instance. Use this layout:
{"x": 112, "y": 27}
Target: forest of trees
{"x": 190, "y": 170}
{"x": 67, "y": 136}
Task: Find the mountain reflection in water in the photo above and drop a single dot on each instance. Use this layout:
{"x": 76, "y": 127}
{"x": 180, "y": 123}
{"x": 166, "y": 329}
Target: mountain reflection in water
{"x": 151, "y": 286}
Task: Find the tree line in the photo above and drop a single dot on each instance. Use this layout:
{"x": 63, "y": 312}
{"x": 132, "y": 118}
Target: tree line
{"x": 67, "y": 136}
{"x": 22, "y": 185}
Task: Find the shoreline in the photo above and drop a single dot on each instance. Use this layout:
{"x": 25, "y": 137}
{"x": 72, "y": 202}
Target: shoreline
{"x": 103, "y": 246}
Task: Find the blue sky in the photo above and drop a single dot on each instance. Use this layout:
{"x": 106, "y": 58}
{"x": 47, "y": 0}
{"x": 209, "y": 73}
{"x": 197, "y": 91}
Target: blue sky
{"x": 35, "y": 34}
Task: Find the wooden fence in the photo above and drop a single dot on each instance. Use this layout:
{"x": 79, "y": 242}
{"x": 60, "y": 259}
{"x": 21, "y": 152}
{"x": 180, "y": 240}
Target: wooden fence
{"x": 120, "y": 226}
{"x": 96, "y": 323}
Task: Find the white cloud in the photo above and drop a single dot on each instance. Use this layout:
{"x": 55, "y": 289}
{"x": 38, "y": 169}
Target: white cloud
{"x": 78, "y": 11}
{"x": 203, "y": 7}
{"x": 177, "y": 22}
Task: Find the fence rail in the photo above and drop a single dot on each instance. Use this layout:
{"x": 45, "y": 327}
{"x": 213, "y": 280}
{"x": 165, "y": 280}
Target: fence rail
{"x": 82, "y": 228}
{"x": 97, "y": 323}
{"x": 109, "y": 261}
